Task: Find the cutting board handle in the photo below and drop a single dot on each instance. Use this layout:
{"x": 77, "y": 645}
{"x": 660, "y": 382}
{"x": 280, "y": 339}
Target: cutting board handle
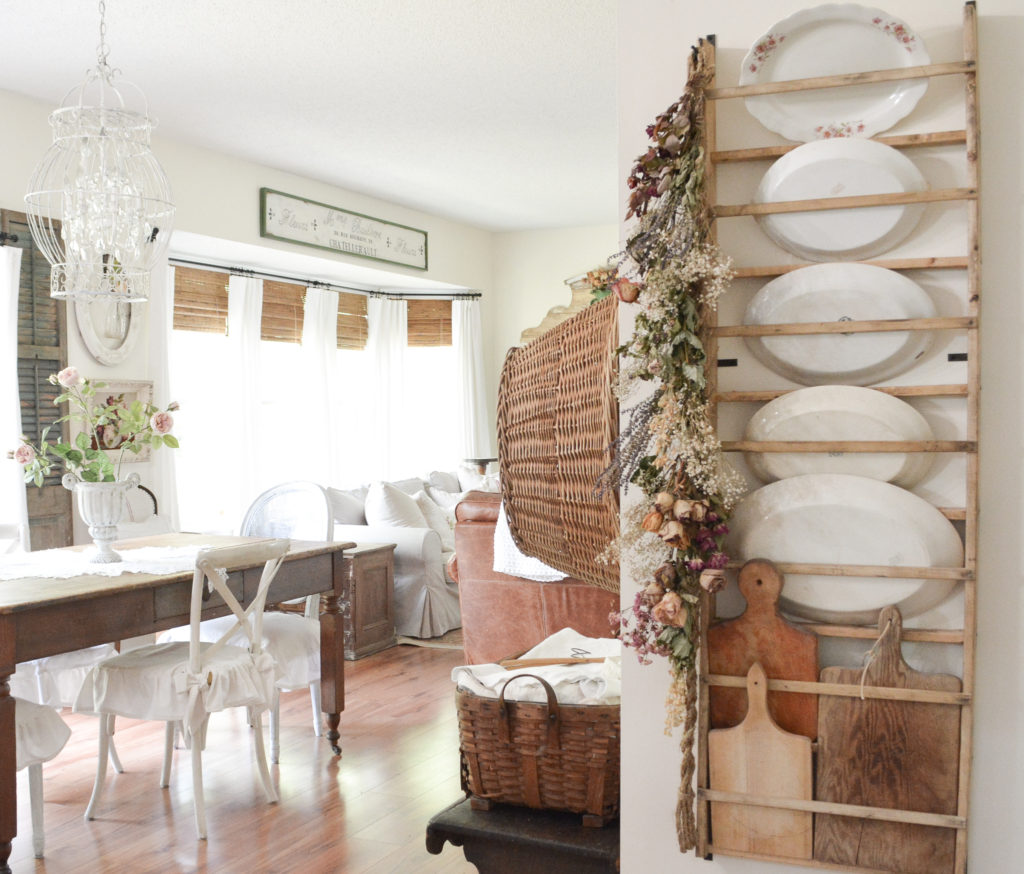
{"x": 886, "y": 659}
{"x": 757, "y": 695}
{"x": 761, "y": 585}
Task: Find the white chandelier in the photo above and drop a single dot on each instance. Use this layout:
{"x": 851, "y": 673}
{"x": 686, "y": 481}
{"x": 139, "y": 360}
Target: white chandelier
{"x": 98, "y": 204}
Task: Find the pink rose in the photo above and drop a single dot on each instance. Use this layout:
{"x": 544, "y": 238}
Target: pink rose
{"x": 69, "y": 377}
{"x": 24, "y": 454}
{"x": 670, "y": 610}
{"x": 162, "y": 423}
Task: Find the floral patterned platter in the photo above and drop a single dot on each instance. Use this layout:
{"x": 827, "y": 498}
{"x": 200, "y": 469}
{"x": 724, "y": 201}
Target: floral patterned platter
{"x": 839, "y": 293}
{"x": 826, "y": 41}
{"x": 840, "y": 168}
{"x": 839, "y": 412}
{"x": 832, "y": 518}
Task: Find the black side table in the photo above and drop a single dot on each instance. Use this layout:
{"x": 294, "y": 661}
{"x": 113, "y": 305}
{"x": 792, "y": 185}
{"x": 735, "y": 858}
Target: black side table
{"x": 511, "y": 840}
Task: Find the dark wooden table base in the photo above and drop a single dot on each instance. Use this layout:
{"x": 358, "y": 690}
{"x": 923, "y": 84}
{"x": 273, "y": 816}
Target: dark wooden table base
{"x": 511, "y": 840}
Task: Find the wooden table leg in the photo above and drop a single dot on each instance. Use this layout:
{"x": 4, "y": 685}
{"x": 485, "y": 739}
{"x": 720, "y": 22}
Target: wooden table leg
{"x": 332, "y": 657}
{"x": 8, "y": 782}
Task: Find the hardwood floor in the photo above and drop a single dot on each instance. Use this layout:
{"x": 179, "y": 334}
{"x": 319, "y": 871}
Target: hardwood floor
{"x": 365, "y": 813}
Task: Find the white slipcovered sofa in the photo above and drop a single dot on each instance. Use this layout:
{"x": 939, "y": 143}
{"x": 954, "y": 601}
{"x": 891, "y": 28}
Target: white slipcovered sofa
{"x": 417, "y": 515}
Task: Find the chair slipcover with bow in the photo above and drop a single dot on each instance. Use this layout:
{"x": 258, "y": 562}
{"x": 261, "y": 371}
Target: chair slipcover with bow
{"x": 299, "y": 511}
{"x": 186, "y": 681}
{"x": 39, "y": 734}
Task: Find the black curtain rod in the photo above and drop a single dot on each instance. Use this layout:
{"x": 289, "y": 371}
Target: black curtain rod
{"x": 332, "y": 286}
{"x": 8, "y": 238}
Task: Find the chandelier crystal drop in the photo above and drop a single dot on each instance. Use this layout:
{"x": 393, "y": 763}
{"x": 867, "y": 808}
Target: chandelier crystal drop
{"x": 98, "y": 203}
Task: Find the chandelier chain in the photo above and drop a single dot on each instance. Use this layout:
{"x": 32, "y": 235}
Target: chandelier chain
{"x": 103, "y": 50}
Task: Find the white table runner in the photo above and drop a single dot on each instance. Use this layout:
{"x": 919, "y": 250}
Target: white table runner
{"x": 59, "y": 564}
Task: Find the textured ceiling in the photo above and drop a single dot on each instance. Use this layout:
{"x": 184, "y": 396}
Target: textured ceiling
{"x": 498, "y": 113}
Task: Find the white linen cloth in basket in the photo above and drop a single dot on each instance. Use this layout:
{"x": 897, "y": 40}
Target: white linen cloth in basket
{"x": 581, "y": 683}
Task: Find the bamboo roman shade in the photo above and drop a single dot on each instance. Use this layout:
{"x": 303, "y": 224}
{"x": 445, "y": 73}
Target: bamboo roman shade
{"x": 282, "y": 311}
{"x": 352, "y": 324}
{"x": 430, "y": 322}
{"x": 200, "y": 300}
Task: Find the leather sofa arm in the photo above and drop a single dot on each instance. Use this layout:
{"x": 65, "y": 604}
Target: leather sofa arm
{"x": 478, "y": 507}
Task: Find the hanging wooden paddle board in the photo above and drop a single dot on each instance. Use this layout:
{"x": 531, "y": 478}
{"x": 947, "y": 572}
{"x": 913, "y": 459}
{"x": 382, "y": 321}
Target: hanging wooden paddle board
{"x": 761, "y": 635}
{"x": 759, "y": 758}
{"x": 897, "y": 754}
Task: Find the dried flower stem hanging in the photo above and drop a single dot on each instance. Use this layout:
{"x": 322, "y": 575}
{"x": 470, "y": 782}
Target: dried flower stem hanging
{"x": 669, "y": 448}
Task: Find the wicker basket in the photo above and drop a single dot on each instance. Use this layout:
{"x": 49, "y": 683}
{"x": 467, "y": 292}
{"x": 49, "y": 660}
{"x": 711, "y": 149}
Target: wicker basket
{"x": 557, "y": 420}
{"x": 546, "y": 756}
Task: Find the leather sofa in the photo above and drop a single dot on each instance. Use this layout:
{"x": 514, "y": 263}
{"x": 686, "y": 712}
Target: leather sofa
{"x": 502, "y": 615}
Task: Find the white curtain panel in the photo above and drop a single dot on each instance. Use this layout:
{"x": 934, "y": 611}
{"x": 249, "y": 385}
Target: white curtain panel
{"x": 240, "y": 424}
{"x": 467, "y": 337}
{"x": 161, "y": 318}
{"x": 14, "y": 533}
{"x": 320, "y": 382}
{"x": 388, "y": 336}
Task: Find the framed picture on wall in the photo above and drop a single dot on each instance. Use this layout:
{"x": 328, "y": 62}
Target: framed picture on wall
{"x": 122, "y": 393}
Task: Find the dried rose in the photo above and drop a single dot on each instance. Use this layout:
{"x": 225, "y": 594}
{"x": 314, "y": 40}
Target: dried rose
{"x": 652, "y": 522}
{"x": 682, "y": 509}
{"x": 653, "y": 593}
{"x": 674, "y": 534}
{"x": 666, "y": 575}
{"x": 712, "y": 580}
{"x": 663, "y": 501}
{"x": 670, "y": 610}
{"x": 626, "y": 290}
{"x": 699, "y": 511}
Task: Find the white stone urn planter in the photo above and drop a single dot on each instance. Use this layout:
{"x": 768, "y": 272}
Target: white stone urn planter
{"x": 101, "y": 506}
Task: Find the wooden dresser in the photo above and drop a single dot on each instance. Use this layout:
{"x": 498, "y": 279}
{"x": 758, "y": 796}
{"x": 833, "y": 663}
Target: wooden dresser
{"x": 368, "y": 602}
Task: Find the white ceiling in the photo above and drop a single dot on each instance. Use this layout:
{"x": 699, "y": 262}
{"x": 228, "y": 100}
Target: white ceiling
{"x": 498, "y": 113}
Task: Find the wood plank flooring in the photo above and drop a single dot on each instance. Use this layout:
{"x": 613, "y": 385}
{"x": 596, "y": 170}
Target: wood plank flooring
{"x": 365, "y": 813}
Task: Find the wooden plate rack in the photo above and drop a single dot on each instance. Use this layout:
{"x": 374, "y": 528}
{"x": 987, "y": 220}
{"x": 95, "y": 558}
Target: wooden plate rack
{"x": 970, "y": 264}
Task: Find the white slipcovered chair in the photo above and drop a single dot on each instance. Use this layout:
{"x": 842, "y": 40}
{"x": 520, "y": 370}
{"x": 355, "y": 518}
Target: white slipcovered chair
{"x": 39, "y": 734}
{"x": 299, "y": 511}
{"x": 183, "y": 682}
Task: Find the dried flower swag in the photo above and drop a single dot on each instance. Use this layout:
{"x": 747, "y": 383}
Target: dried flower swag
{"x": 671, "y": 543}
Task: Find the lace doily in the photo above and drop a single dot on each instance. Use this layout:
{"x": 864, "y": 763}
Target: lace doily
{"x": 59, "y": 564}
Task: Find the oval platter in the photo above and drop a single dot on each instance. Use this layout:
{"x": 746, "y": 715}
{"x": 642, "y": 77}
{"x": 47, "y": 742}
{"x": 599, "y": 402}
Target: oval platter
{"x": 834, "y": 293}
{"x": 826, "y": 41}
{"x": 840, "y": 519}
{"x": 839, "y": 412}
{"x": 840, "y": 168}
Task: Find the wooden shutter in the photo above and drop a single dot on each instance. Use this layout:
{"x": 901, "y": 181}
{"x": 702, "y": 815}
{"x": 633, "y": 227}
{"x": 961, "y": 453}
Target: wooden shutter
{"x": 200, "y": 300}
{"x": 42, "y": 350}
{"x": 430, "y": 322}
{"x": 282, "y": 311}
{"x": 352, "y": 321}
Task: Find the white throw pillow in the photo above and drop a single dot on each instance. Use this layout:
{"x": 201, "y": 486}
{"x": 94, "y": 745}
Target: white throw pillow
{"x": 347, "y": 505}
{"x": 437, "y": 520}
{"x": 471, "y": 480}
{"x": 409, "y": 486}
{"x": 444, "y": 479}
{"x": 447, "y": 501}
{"x": 389, "y": 506}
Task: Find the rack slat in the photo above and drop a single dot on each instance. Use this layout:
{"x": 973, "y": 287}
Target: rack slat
{"x": 883, "y": 571}
{"x": 858, "y": 632}
{"x": 906, "y": 141}
{"x": 815, "y": 83}
{"x": 853, "y": 201}
{"x": 862, "y": 326}
{"x": 843, "y": 690}
{"x": 860, "y": 811}
{"x": 947, "y": 263}
{"x": 789, "y": 860}
{"x": 900, "y": 391}
{"x": 850, "y": 446}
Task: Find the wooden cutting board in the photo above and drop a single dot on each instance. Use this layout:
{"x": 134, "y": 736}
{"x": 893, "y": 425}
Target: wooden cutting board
{"x": 759, "y": 758}
{"x": 761, "y": 635}
{"x": 899, "y": 754}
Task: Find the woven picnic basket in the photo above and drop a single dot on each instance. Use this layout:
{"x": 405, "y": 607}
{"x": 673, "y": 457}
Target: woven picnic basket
{"x": 547, "y": 756}
{"x": 557, "y": 420}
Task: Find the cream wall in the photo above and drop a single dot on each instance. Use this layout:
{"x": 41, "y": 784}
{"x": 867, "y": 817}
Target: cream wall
{"x": 653, "y": 42}
{"x": 530, "y": 269}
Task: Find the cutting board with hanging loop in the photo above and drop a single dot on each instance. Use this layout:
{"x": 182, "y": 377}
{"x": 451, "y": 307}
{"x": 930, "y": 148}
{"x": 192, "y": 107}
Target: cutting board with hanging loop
{"x": 760, "y": 634}
{"x": 895, "y": 754}
{"x": 757, "y": 757}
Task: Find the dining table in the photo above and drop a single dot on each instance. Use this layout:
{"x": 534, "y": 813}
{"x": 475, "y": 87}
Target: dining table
{"x": 58, "y": 601}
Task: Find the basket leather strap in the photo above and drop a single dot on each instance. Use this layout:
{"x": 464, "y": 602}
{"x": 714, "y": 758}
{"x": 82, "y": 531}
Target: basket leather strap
{"x": 553, "y": 718}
